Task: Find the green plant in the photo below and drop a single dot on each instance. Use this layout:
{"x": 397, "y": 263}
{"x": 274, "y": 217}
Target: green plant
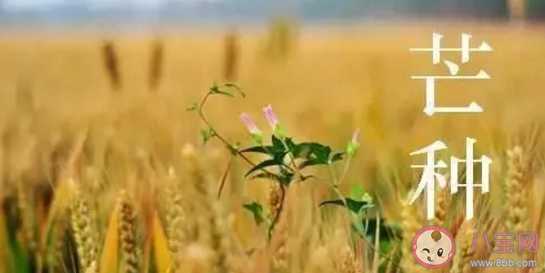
{"x": 286, "y": 162}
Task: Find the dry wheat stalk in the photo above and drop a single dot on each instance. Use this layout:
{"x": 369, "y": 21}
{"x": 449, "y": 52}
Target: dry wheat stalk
{"x": 279, "y": 248}
{"x": 156, "y": 65}
{"x": 111, "y": 64}
{"x": 541, "y": 268}
{"x": 443, "y": 202}
{"x": 59, "y": 244}
{"x": 231, "y": 56}
{"x": 320, "y": 261}
{"x": 412, "y": 223}
{"x": 220, "y": 241}
{"x": 194, "y": 169}
{"x": 198, "y": 258}
{"x": 212, "y": 226}
{"x": 84, "y": 233}
{"x": 280, "y": 257}
{"x": 462, "y": 255}
{"x": 349, "y": 263}
{"x": 275, "y": 200}
{"x": 517, "y": 195}
{"x": 26, "y": 218}
{"x": 176, "y": 224}
{"x": 201, "y": 187}
{"x": 127, "y": 234}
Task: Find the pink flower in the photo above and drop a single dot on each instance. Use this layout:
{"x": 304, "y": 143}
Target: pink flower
{"x": 356, "y": 137}
{"x": 250, "y": 124}
{"x": 252, "y": 128}
{"x": 354, "y": 144}
{"x": 271, "y": 117}
{"x": 273, "y": 121}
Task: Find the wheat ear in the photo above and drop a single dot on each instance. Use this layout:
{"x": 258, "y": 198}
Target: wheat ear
{"x": 412, "y": 223}
{"x": 462, "y": 253}
{"x": 127, "y": 232}
{"x": 176, "y": 224}
{"x": 84, "y": 233}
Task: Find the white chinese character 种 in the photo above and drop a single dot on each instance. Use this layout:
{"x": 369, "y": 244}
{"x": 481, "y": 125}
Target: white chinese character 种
{"x": 429, "y": 176}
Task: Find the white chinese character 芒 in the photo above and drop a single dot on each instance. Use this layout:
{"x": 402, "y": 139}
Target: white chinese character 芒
{"x": 465, "y": 50}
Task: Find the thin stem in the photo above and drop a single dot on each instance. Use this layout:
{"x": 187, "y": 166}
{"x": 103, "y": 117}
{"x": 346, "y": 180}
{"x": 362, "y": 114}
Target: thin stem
{"x": 333, "y": 175}
{"x": 352, "y": 218}
{"x": 280, "y": 210}
{"x": 215, "y": 133}
{"x": 295, "y": 169}
{"x": 345, "y": 170}
{"x": 233, "y": 148}
{"x": 341, "y": 197}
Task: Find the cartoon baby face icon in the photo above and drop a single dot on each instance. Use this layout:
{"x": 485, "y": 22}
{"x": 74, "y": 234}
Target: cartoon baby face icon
{"x": 433, "y": 247}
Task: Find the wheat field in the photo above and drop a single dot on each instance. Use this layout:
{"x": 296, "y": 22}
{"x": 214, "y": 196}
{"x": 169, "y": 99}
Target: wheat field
{"x": 104, "y": 169}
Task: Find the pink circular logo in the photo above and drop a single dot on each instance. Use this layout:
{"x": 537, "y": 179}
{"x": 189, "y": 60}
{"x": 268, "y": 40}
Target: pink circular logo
{"x": 433, "y": 247}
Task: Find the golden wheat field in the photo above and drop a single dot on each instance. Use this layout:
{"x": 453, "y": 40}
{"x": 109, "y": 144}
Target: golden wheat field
{"x": 104, "y": 169}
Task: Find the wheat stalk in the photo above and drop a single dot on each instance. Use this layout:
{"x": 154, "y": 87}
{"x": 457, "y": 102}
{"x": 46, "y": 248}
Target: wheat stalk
{"x": 176, "y": 222}
{"x": 220, "y": 241}
{"x": 541, "y": 267}
{"x": 443, "y": 202}
{"x": 349, "y": 262}
{"x": 193, "y": 167}
{"x": 517, "y": 195}
{"x": 200, "y": 185}
{"x": 26, "y": 218}
{"x": 111, "y": 64}
{"x": 462, "y": 254}
{"x": 320, "y": 261}
{"x": 127, "y": 234}
{"x": 156, "y": 65}
{"x": 84, "y": 233}
{"x": 58, "y": 243}
{"x": 280, "y": 257}
{"x": 275, "y": 200}
{"x": 412, "y": 223}
{"x": 231, "y": 56}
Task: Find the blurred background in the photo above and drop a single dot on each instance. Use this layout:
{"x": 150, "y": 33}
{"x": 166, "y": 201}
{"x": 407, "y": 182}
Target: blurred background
{"x": 160, "y": 13}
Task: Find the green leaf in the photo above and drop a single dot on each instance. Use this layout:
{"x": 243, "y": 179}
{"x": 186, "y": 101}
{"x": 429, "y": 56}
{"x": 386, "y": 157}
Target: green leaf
{"x": 286, "y": 179}
{"x": 234, "y": 149}
{"x": 277, "y": 144}
{"x": 256, "y": 149}
{"x": 353, "y": 205}
{"x": 269, "y": 150}
{"x": 192, "y": 107}
{"x": 307, "y": 177}
{"x": 388, "y": 231}
{"x": 357, "y": 191}
{"x": 279, "y": 156}
{"x": 206, "y": 135}
{"x": 257, "y": 211}
{"x": 263, "y": 165}
{"x": 322, "y": 153}
{"x": 308, "y": 163}
{"x": 216, "y": 90}
{"x": 219, "y": 92}
{"x": 292, "y": 147}
{"x": 270, "y": 176}
{"x": 304, "y": 149}
{"x": 236, "y": 87}
{"x": 314, "y": 150}
{"x": 337, "y": 157}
